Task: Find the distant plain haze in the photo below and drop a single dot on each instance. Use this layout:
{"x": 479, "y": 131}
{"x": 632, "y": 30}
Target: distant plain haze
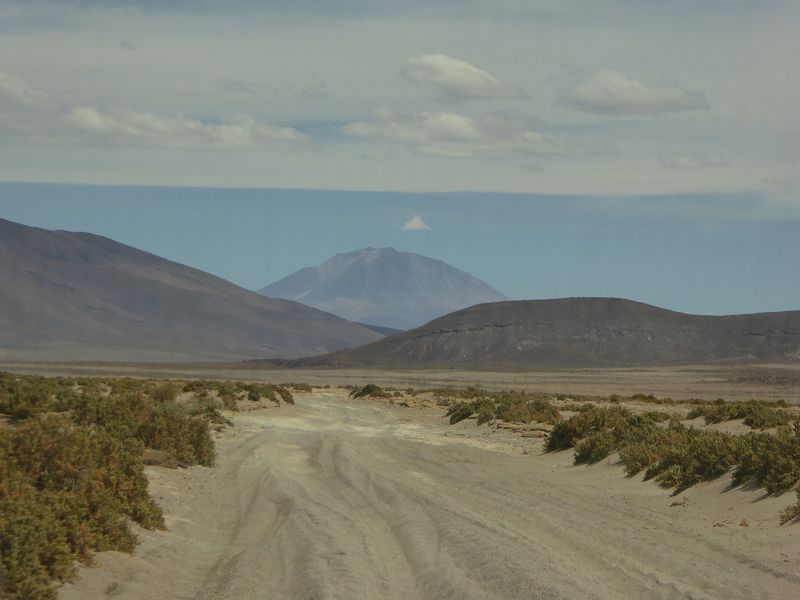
{"x": 677, "y": 252}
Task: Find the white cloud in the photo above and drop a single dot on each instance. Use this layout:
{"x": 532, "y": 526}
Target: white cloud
{"x": 457, "y": 79}
{"x": 609, "y": 92}
{"x": 453, "y": 135}
{"x": 38, "y": 116}
{"x": 14, "y": 89}
{"x": 126, "y": 125}
{"x": 753, "y": 122}
{"x": 416, "y": 223}
{"x": 692, "y": 161}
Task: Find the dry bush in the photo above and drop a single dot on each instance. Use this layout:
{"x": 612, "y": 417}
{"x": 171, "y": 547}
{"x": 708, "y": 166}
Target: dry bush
{"x": 299, "y": 387}
{"x": 678, "y": 456}
{"x": 771, "y": 461}
{"x": 370, "y": 390}
{"x": 756, "y": 414}
{"x": 166, "y": 392}
{"x": 71, "y": 473}
{"x": 511, "y": 407}
{"x": 792, "y": 513}
{"x": 65, "y": 491}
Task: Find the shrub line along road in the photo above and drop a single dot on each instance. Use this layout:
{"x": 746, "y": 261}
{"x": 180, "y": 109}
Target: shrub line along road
{"x": 335, "y": 498}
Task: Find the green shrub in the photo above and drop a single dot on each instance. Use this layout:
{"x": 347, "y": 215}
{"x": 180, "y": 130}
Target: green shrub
{"x": 460, "y": 411}
{"x": 285, "y": 394}
{"x": 22, "y": 398}
{"x": 370, "y": 390}
{"x": 521, "y": 408}
{"x": 637, "y": 456}
{"x": 596, "y": 432}
{"x": 485, "y": 410}
{"x": 772, "y": 461}
{"x": 65, "y": 490}
{"x": 756, "y": 414}
{"x": 182, "y": 432}
{"x": 166, "y": 392}
{"x": 229, "y": 402}
{"x": 33, "y": 548}
{"x": 569, "y": 432}
{"x": 71, "y": 476}
{"x": 690, "y": 456}
{"x": 275, "y": 393}
{"x": 792, "y": 513}
{"x": 512, "y": 407}
{"x": 678, "y": 456}
{"x": 595, "y": 448}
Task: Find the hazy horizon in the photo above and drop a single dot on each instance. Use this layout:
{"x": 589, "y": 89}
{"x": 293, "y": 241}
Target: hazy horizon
{"x": 671, "y": 251}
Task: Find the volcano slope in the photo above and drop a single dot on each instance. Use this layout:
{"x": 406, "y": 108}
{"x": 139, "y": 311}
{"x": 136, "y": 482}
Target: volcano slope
{"x": 578, "y": 333}
{"x": 381, "y": 286}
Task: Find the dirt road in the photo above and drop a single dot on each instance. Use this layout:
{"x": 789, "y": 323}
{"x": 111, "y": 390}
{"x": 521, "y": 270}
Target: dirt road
{"x": 342, "y": 499}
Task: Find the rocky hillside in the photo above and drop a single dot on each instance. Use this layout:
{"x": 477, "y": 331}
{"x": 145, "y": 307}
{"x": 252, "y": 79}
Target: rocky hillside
{"x": 579, "y": 332}
{"x": 78, "y": 296}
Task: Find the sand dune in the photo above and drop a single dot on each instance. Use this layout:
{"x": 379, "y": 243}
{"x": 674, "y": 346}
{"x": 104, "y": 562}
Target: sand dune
{"x": 335, "y": 498}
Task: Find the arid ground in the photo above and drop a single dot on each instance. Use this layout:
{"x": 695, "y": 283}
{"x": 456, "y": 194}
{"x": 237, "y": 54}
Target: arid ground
{"x": 731, "y": 382}
{"x": 342, "y": 498}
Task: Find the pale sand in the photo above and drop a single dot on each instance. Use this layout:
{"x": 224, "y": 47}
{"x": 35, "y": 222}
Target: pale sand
{"x": 336, "y": 498}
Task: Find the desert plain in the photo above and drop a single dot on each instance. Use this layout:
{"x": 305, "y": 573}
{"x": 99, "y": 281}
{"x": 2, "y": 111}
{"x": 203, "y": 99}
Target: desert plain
{"x": 344, "y": 498}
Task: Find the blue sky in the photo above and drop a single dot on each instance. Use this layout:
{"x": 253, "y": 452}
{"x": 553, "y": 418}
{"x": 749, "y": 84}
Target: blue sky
{"x": 651, "y": 249}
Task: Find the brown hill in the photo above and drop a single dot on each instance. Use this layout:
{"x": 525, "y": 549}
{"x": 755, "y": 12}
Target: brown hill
{"x": 578, "y": 332}
{"x": 78, "y": 296}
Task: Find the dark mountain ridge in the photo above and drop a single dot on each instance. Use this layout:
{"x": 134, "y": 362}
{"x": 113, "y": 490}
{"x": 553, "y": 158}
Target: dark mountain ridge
{"x": 384, "y": 287}
{"x": 80, "y": 296}
{"x": 578, "y": 333}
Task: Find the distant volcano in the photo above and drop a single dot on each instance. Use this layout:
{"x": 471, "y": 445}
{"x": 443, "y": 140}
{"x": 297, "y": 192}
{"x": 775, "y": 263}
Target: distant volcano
{"x": 381, "y": 286}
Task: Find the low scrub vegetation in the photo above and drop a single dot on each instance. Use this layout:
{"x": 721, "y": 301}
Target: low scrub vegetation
{"x": 758, "y": 415}
{"x": 369, "y": 391}
{"x": 512, "y": 407}
{"x": 299, "y": 387}
{"x": 71, "y": 474}
{"x": 231, "y": 392}
{"x": 792, "y": 513}
{"x": 679, "y": 456}
{"x": 65, "y": 490}
{"x": 654, "y": 442}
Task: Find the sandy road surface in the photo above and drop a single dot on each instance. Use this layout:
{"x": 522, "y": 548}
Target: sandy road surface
{"x": 343, "y": 499}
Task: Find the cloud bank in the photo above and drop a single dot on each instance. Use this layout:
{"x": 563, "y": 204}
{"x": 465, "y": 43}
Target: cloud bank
{"x": 457, "y": 79}
{"x": 453, "y": 135}
{"x": 27, "y": 113}
{"x": 608, "y": 92}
